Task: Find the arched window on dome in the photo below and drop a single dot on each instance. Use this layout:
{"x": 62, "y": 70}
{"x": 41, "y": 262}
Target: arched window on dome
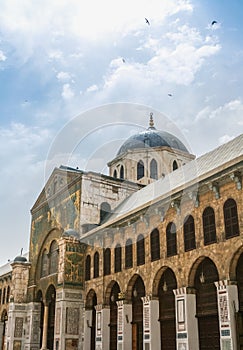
{"x": 122, "y": 172}
{"x": 153, "y": 169}
{"x": 140, "y": 170}
{"x": 175, "y": 165}
{"x": 115, "y": 174}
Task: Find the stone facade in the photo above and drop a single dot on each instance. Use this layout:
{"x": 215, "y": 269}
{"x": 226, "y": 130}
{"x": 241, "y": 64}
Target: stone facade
{"x": 117, "y": 265}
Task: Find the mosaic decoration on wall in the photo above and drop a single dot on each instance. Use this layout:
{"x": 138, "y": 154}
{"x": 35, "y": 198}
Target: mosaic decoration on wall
{"x": 18, "y": 329}
{"x": 74, "y": 262}
{"x": 72, "y": 320}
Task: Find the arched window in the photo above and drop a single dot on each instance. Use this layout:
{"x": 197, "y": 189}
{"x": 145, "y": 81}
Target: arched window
{"x": 128, "y": 254}
{"x": 140, "y": 170}
{"x": 175, "y": 165}
{"x": 118, "y": 258}
{"x": 122, "y": 172}
{"x": 115, "y": 174}
{"x": 96, "y": 264}
{"x": 107, "y": 261}
{"x": 171, "y": 239}
{"x": 209, "y": 228}
{"x": 53, "y": 267}
{"x": 105, "y": 210}
{"x": 4, "y": 296}
{"x": 87, "y": 268}
{"x": 231, "y": 223}
{"x": 140, "y": 250}
{"x": 0, "y": 296}
{"x": 44, "y": 264}
{"x": 153, "y": 169}
{"x": 189, "y": 233}
{"x": 155, "y": 245}
{"x": 8, "y": 295}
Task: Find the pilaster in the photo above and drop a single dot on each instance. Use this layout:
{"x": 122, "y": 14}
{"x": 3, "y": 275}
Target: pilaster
{"x": 186, "y": 322}
{"x": 228, "y": 305}
{"x": 124, "y": 327}
{"x": 151, "y": 326}
{"x": 102, "y": 340}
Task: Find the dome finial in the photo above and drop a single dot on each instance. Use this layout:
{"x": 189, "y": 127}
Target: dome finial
{"x": 151, "y": 121}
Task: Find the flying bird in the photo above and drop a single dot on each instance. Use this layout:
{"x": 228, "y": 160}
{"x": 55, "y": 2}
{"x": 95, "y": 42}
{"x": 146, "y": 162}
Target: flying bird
{"x": 147, "y": 21}
{"x": 213, "y": 22}
{"x": 123, "y": 60}
{"x": 170, "y": 95}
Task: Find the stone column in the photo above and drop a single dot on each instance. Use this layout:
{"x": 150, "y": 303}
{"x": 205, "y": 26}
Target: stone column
{"x": 102, "y": 327}
{"x": 1, "y": 332}
{"x": 186, "y": 322}
{"x": 45, "y": 327}
{"x": 32, "y": 326}
{"x": 228, "y": 305}
{"x": 87, "y": 328}
{"x": 151, "y": 326}
{"x": 124, "y": 327}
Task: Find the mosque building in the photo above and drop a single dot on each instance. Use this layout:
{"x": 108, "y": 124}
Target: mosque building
{"x": 149, "y": 257}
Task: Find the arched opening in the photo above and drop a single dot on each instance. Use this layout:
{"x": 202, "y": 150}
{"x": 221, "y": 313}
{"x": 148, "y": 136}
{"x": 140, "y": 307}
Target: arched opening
{"x": 91, "y": 302}
{"x": 209, "y": 227}
{"x": 167, "y": 310}
{"x": 87, "y": 267}
{"x": 138, "y": 291}
{"x": 155, "y": 245}
{"x": 207, "y": 307}
{"x": 4, "y": 319}
{"x": 189, "y": 233}
{"x": 53, "y": 268}
{"x": 128, "y": 254}
{"x": 96, "y": 264}
{"x": 140, "y": 250}
{"x": 118, "y": 258}
{"x": 105, "y": 210}
{"x": 171, "y": 241}
{"x": 44, "y": 264}
{"x": 39, "y": 298}
{"x": 140, "y": 170}
{"x": 239, "y": 315}
{"x": 51, "y": 302}
{"x": 231, "y": 223}
{"x": 175, "y": 165}
{"x": 153, "y": 169}
{"x": 107, "y": 261}
{"x": 115, "y": 174}
{"x": 122, "y": 172}
{"x": 113, "y": 315}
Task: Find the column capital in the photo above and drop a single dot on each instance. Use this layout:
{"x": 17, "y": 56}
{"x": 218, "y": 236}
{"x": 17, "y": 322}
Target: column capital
{"x": 222, "y": 284}
{"x": 184, "y": 290}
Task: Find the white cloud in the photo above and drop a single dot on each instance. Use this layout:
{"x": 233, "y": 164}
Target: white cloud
{"x": 67, "y": 92}
{"x": 63, "y": 76}
{"x": 2, "y": 56}
{"x": 92, "y": 88}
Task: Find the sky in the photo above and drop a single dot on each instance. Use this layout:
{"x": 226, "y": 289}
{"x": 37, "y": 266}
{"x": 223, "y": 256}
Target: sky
{"x": 78, "y": 78}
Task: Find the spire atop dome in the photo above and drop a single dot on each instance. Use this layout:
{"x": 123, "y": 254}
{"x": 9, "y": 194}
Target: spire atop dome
{"x": 151, "y": 121}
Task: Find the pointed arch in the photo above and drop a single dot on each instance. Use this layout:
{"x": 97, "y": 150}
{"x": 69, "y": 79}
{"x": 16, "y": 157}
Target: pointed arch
{"x": 140, "y": 170}
{"x": 153, "y": 169}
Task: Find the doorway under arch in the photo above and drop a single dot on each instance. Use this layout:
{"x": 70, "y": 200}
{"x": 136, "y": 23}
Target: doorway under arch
{"x": 91, "y": 302}
{"x": 51, "y": 302}
{"x": 206, "y": 305}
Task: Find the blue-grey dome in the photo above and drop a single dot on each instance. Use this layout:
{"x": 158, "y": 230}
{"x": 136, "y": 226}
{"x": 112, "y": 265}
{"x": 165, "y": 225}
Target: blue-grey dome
{"x": 20, "y": 259}
{"x": 70, "y": 232}
{"x": 152, "y": 138}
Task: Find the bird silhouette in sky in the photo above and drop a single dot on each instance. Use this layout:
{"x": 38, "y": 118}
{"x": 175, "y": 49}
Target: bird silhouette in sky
{"x": 213, "y": 22}
{"x": 123, "y": 60}
{"x": 170, "y": 95}
{"x": 147, "y": 21}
